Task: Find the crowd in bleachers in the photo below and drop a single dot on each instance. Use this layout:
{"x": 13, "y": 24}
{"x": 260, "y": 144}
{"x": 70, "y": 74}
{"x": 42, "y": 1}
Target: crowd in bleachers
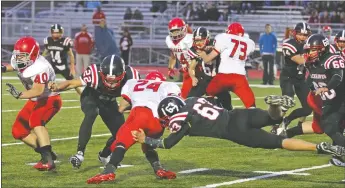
{"x": 326, "y": 12}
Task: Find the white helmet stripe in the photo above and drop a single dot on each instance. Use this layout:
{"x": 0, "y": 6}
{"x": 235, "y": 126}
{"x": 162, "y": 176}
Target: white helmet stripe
{"x": 112, "y": 64}
{"x": 197, "y": 32}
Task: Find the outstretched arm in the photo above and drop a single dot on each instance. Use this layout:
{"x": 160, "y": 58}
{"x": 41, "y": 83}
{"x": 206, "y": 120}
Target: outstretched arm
{"x": 66, "y": 85}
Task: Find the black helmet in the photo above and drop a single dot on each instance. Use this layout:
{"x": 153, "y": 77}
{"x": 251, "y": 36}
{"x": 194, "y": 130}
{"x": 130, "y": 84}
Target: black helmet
{"x": 56, "y": 28}
{"x": 168, "y": 107}
{"x": 301, "y": 28}
{"x": 316, "y": 42}
{"x": 112, "y": 71}
{"x": 201, "y": 33}
{"x": 340, "y": 36}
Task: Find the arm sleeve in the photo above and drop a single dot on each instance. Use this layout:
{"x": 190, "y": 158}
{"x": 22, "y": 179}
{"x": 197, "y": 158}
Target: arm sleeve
{"x": 260, "y": 43}
{"x": 89, "y": 77}
{"x": 125, "y": 94}
{"x": 218, "y": 45}
{"x": 275, "y": 43}
{"x": 289, "y": 50}
{"x": 192, "y": 53}
{"x": 132, "y": 73}
{"x": 45, "y": 42}
{"x": 337, "y": 78}
{"x": 67, "y": 43}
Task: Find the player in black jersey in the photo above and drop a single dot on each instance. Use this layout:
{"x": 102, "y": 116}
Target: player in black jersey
{"x": 292, "y": 77}
{"x": 339, "y": 44}
{"x": 198, "y": 117}
{"x": 202, "y": 73}
{"x": 59, "y": 48}
{"x": 103, "y": 84}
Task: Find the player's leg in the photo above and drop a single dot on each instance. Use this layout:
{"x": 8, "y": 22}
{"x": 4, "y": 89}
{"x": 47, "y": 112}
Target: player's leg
{"x": 242, "y": 90}
{"x": 123, "y": 142}
{"x": 224, "y": 98}
{"x": 217, "y": 85}
{"x": 302, "y": 91}
{"x": 186, "y": 86}
{"x": 265, "y": 72}
{"x": 198, "y": 90}
{"x": 330, "y": 121}
{"x": 43, "y": 112}
{"x": 89, "y": 106}
{"x": 113, "y": 119}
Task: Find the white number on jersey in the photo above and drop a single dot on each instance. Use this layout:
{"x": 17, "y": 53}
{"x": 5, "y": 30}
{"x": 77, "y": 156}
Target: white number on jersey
{"x": 56, "y": 58}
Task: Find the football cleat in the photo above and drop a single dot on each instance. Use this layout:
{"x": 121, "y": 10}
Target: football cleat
{"x": 337, "y": 161}
{"x": 44, "y": 167}
{"x": 285, "y": 101}
{"x": 165, "y": 174}
{"x": 281, "y": 132}
{"x": 77, "y": 159}
{"x": 99, "y": 178}
{"x": 274, "y": 129}
{"x": 103, "y": 160}
{"x": 326, "y": 148}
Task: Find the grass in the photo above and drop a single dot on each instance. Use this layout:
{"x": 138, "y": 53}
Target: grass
{"x": 227, "y": 161}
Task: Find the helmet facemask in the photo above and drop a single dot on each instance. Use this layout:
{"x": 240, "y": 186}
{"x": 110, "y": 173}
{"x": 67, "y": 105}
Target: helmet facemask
{"x": 340, "y": 44}
{"x": 313, "y": 54}
{"x": 177, "y": 34}
{"x": 200, "y": 43}
{"x": 112, "y": 82}
{"x": 22, "y": 60}
{"x": 301, "y": 37}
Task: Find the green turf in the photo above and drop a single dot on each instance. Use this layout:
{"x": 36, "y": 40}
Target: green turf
{"x": 227, "y": 161}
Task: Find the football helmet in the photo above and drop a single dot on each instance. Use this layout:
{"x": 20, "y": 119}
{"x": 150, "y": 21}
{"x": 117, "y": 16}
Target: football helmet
{"x": 112, "y": 71}
{"x": 316, "y": 46}
{"x": 177, "y": 29}
{"x": 201, "y": 38}
{"x": 301, "y": 28}
{"x": 340, "y": 39}
{"x": 26, "y": 50}
{"x": 235, "y": 29}
{"x": 56, "y": 31}
{"x": 168, "y": 107}
{"x": 327, "y": 31}
{"x": 155, "y": 75}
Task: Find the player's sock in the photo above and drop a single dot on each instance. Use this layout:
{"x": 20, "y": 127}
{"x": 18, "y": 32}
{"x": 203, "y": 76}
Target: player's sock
{"x": 294, "y": 131}
{"x": 106, "y": 150}
{"x": 117, "y": 155}
{"x": 152, "y": 157}
{"x": 46, "y": 154}
{"x": 109, "y": 168}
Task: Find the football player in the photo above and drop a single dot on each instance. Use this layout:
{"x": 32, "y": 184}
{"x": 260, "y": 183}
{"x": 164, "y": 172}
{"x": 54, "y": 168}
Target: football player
{"x": 292, "y": 77}
{"x": 202, "y": 73}
{"x": 144, "y": 97}
{"x": 34, "y": 71}
{"x": 339, "y": 44}
{"x": 234, "y": 49}
{"x": 59, "y": 48}
{"x": 327, "y": 32}
{"x": 179, "y": 41}
{"x": 198, "y": 117}
{"x": 103, "y": 83}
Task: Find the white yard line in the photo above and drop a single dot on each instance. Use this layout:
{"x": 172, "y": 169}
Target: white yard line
{"x": 193, "y": 170}
{"x": 292, "y": 173}
{"x": 265, "y": 176}
{"x": 67, "y": 107}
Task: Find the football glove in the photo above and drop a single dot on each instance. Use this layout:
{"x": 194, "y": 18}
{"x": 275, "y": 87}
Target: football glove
{"x": 14, "y": 92}
{"x": 171, "y": 73}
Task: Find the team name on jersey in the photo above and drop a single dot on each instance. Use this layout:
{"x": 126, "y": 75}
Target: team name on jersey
{"x": 176, "y": 49}
{"x": 54, "y": 48}
{"x": 318, "y": 76}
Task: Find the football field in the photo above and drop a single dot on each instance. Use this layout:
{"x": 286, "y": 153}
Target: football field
{"x": 198, "y": 161}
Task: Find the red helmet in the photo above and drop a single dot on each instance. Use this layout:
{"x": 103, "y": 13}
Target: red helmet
{"x": 177, "y": 29}
{"x": 155, "y": 75}
{"x": 26, "y": 51}
{"x": 327, "y": 31}
{"x": 235, "y": 29}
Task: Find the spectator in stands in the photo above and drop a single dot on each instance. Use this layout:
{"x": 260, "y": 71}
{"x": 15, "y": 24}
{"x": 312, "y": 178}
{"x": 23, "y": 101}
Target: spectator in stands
{"x": 212, "y": 12}
{"x": 224, "y": 16}
{"x": 105, "y": 40}
{"x": 324, "y": 17}
{"x": 93, "y": 4}
{"x": 138, "y": 16}
{"x": 246, "y": 5}
{"x": 189, "y": 13}
{"x": 80, "y": 3}
{"x": 335, "y": 18}
{"x": 314, "y": 18}
{"x": 268, "y": 48}
{"x": 83, "y": 44}
{"x": 128, "y": 14}
{"x": 201, "y": 14}
{"x": 98, "y": 16}
{"x": 125, "y": 45}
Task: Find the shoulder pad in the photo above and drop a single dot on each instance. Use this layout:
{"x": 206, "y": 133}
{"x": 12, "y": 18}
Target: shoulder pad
{"x": 67, "y": 42}
{"x": 38, "y": 67}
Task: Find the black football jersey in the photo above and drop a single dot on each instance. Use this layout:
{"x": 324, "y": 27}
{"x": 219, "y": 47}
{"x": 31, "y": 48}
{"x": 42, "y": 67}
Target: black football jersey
{"x": 91, "y": 78}
{"x": 58, "y": 50}
{"x": 291, "y": 48}
{"x": 202, "y": 119}
{"x": 202, "y": 69}
{"x": 320, "y": 74}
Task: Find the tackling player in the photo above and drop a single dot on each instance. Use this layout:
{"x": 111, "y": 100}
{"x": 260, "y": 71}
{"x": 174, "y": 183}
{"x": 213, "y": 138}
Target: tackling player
{"x": 292, "y": 77}
{"x": 179, "y": 41}
{"x": 144, "y": 97}
{"x": 202, "y": 73}
{"x": 234, "y": 49}
{"x": 198, "y": 117}
{"x": 34, "y": 71}
{"x": 339, "y": 44}
{"x": 59, "y": 48}
{"x": 103, "y": 84}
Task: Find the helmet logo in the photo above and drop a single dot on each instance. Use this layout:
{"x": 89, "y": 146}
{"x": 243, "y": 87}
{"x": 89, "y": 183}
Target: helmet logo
{"x": 171, "y": 107}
